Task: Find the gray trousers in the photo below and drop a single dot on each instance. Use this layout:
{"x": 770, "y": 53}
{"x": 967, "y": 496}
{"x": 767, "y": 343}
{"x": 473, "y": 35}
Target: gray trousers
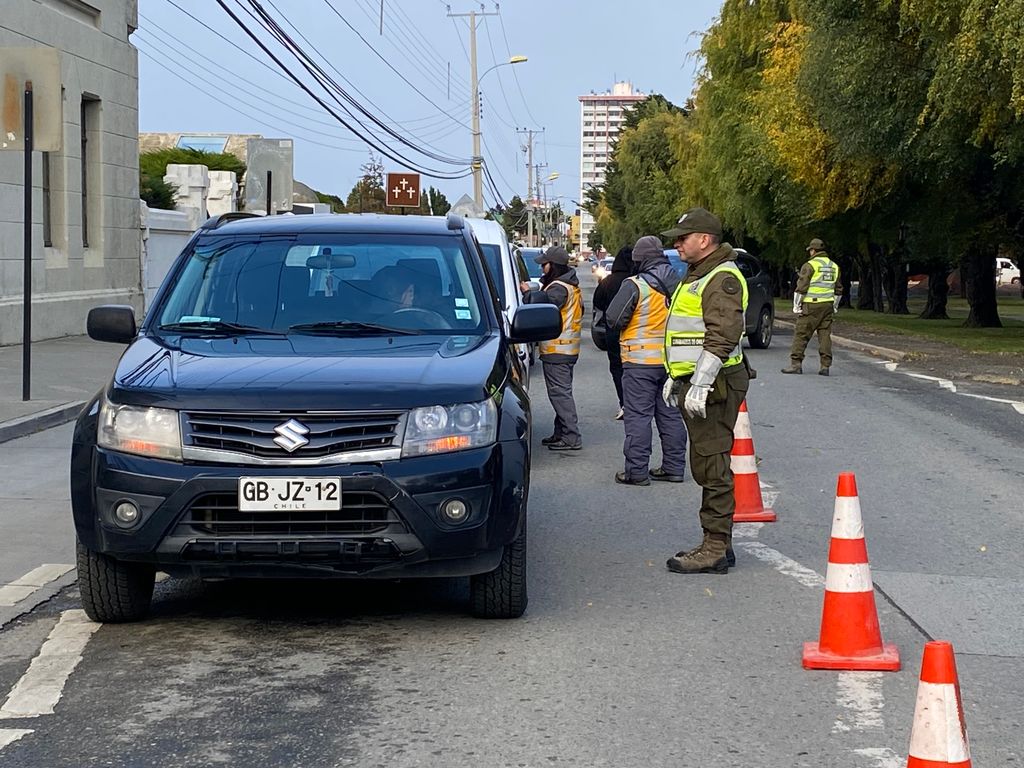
{"x": 641, "y": 402}
{"x": 558, "y": 379}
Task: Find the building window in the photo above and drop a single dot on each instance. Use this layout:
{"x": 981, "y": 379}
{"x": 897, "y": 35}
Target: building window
{"x": 90, "y": 166}
{"x": 47, "y": 211}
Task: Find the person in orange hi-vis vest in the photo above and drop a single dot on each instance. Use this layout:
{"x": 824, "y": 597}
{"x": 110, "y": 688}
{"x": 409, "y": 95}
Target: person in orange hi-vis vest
{"x": 560, "y": 286}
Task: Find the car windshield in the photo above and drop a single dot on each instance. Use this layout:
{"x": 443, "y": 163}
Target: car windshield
{"x": 325, "y": 283}
{"x": 493, "y": 257}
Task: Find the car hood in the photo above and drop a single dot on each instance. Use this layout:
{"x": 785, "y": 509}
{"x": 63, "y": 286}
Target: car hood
{"x": 307, "y": 372}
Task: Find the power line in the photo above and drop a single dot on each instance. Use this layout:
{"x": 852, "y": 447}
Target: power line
{"x": 390, "y": 66}
{"x": 381, "y": 148}
{"x": 263, "y": 18}
{"x": 508, "y": 48}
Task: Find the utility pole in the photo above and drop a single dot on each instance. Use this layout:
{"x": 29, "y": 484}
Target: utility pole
{"x": 474, "y": 95}
{"x": 529, "y": 183}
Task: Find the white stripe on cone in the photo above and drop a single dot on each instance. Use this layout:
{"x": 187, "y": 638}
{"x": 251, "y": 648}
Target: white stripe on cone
{"x": 848, "y": 577}
{"x": 743, "y": 465}
{"x": 742, "y": 429}
{"x": 846, "y": 521}
{"x": 937, "y": 733}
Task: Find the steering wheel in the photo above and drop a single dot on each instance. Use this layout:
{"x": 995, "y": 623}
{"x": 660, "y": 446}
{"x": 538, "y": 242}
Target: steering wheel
{"x": 431, "y": 318}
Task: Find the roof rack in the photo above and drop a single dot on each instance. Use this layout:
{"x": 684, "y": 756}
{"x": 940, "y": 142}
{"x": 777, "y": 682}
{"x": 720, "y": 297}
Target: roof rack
{"x": 215, "y": 221}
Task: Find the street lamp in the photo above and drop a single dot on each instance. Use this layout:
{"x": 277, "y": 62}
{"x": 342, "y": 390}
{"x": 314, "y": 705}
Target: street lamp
{"x": 478, "y": 181}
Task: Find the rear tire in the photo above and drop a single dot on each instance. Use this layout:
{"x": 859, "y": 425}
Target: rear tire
{"x": 761, "y": 338}
{"x": 113, "y": 591}
{"x": 501, "y": 594}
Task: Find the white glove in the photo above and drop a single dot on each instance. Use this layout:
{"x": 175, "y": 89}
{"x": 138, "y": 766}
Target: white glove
{"x": 835, "y": 304}
{"x": 695, "y": 403}
{"x": 798, "y": 303}
{"x": 669, "y": 392}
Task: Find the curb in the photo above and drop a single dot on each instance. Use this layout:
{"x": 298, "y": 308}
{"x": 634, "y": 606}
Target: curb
{"x": 37, "y": 422}
{"x": 862, "y": 346}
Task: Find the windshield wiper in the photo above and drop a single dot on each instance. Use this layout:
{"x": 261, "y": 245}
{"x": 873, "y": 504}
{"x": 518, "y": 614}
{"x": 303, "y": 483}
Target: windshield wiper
{"x": 351, "y": 326}
{"x": 219, "y": 326}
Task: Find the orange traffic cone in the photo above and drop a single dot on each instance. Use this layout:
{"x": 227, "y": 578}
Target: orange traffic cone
{"x": 747, "y": 486}
{"x": 939, "y": 734}
{"x": 850, "y": 637}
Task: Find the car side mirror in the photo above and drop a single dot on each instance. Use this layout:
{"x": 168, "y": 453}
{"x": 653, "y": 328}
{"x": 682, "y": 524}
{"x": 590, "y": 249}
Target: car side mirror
{"x": 536, "y": 322}
{"x": 112, "y": 322}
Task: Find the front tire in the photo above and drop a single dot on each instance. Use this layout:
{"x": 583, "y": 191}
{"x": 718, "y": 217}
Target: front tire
{"x": 501, "y": 594}
{"x": 113, "y": 591}
{"x": 761, "y": 338}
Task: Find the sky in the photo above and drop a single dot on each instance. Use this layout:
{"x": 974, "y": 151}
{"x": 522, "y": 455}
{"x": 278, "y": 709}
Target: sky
{"x": 198, "y": 71}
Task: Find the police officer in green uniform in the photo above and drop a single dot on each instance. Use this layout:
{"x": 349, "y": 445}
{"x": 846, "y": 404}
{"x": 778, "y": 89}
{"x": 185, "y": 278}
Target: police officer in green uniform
{"x": 709, "y": 377}
{"x": 815, "y": 300}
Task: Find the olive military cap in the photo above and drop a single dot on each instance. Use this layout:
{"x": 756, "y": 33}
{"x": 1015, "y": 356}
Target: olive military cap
{"x": 817, "y": 244}
{"x": 556, "y": 254}
{"x": 695, "y": 220}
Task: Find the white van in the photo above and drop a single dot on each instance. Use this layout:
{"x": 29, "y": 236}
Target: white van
{"x": 508, "y": 271}
{"x": 1007, "y": 273}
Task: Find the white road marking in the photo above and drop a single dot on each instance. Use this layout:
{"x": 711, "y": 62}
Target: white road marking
{"x": 746, "y": 530}
{"x": 860, "y": 695}
{"x": 40, "y": 688}
{"x": 11, "y": 735}
{"x": 948, "y": 385}
{"x": 783, "y": 564}
{"x": 36, "y": 579}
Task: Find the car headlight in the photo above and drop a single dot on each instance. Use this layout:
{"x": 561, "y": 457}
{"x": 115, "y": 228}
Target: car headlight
{"x": 143, "y": 431}
{"x": 445, "y": 428}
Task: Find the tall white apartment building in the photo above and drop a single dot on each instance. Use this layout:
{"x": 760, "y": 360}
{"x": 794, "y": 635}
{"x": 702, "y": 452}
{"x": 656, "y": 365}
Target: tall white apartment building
{"x": 601, "y": 118}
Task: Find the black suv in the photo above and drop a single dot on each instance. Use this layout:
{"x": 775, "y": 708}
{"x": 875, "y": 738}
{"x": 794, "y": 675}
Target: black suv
{"x": 310, "y": 396}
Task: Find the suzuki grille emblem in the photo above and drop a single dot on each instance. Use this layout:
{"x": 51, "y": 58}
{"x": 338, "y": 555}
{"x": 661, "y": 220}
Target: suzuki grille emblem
{"x": 291, "y": 435}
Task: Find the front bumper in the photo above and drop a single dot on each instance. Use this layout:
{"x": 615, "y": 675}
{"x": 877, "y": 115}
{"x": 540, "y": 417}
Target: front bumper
{"x": 390, "y": 525}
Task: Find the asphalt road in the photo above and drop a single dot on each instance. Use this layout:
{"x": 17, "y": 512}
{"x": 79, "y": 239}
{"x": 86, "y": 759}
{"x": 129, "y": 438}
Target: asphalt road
{"x": 617, "y": 661}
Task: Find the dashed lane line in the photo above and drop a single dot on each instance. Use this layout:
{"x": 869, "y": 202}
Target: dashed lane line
{"x": 949, "y": 386}
{"x": 40, "y": 688}
{"x": 24, "y": 587}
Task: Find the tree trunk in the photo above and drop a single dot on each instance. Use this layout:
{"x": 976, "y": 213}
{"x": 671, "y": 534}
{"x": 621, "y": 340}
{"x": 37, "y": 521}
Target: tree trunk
{"x": 978, "y": 273}
{"x": 896, "y": 288}
{"x": 875, "y": 255}
{"x": 866, "y": 294}
{"x": 846, "y": 281}
{"x": 938, "y": 295}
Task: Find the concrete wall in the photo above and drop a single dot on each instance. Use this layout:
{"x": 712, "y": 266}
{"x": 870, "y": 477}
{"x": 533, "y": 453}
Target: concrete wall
{"x": 164, "y": 235}
{"x": 68, "y": 277}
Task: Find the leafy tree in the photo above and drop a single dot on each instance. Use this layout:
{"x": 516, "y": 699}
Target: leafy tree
{"x": 336, "y": 203}
{"x": 437, "y": 203}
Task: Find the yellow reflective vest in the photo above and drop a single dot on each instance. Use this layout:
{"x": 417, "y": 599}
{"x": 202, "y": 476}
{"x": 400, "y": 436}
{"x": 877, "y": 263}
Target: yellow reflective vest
{"x": 568, "y": 342}
{"x": 823, "y": 279}
{"x": 684, "y": 332}
{"x": 642, "y": 342}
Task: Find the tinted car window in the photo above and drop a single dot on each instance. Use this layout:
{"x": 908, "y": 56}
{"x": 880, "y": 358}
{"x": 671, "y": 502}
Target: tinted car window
{"x": 492, "y": 257}
{"x": 747, "y": 265}
{"x": 413, "y": 282}
{"x": 529, "y": 254}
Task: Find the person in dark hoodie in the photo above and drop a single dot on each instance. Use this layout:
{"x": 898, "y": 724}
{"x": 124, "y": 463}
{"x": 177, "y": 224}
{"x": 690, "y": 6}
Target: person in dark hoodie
{"x": 622, "y": 267}
{"x": 561, "y": 287}
{"x": 640, "y": 312}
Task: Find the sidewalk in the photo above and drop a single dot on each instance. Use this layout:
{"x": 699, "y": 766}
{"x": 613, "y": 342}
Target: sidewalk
{"x": 65, "y": 374}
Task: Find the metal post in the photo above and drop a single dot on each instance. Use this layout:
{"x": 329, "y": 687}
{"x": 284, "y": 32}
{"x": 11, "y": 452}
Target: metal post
{"x": 474, "y": 94}
{"x": 529, "y": 190}
{"x": 26, "y": 327}
{"x": 270, "y": 188}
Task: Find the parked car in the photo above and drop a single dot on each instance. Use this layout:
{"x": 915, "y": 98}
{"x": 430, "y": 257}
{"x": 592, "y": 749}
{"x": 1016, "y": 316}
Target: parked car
{"x": 760, "y": 314}
{"x": 1007, "y": 273}
{"x": 310, "y": 396}
{"x": 507, "y": 271}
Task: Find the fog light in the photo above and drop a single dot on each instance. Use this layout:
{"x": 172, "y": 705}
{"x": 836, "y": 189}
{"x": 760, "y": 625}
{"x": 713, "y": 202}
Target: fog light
{"x": 455, "y": 510}
{"x": 126, "y": 513}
